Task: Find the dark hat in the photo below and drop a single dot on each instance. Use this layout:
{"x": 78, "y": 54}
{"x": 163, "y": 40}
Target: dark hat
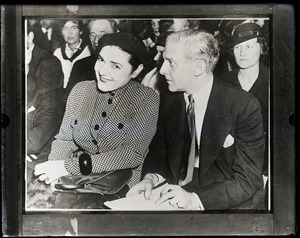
{"x": 244, "y": 32}
{"x": 127, "y": 43}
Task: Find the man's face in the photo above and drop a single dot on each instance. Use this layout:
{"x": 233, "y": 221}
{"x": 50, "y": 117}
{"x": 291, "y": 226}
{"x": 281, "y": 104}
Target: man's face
{"x": 179, "y": 25}
{"x": 47, "y": 23}
{"x": 98, "y": 29}
{"x": 176, "y": 68}
{"x": 155, "y": 26}
{"x": 247, "y": 53}
{"x": 112, "y": 68}
{"x": 71, "y": 32}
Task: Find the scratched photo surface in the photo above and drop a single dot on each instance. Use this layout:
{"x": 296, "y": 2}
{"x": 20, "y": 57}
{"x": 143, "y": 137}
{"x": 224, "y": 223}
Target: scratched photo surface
{"x": 88, "y": 131}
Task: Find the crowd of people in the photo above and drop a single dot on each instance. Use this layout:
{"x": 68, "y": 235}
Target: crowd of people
{"x": 177, "y": 100}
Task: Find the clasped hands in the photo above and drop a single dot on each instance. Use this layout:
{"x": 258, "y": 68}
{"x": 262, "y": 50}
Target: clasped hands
{"x": 174, "y": 194}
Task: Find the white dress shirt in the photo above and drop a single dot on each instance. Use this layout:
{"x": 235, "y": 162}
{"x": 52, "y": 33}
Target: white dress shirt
{"x": 49, "y": 32}
{"x": 201, "y": 100}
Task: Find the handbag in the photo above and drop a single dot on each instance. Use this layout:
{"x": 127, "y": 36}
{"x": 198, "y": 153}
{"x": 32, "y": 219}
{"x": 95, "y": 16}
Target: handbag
{"x": 106, "y": 182}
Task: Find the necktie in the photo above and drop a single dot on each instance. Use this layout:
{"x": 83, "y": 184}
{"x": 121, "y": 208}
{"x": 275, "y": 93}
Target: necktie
{"x": 193, "y": 148}
{"x": 46, "y": 34}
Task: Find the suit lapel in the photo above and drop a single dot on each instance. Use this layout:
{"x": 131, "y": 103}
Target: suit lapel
{"x": 177, "y": 134}
{"x": 216, "y": 126}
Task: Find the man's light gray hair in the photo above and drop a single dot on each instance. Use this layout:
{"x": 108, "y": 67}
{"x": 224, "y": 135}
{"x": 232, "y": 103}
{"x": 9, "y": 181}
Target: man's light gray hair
{"x": 198, "y": 44}
{"x": 112, "y": 23}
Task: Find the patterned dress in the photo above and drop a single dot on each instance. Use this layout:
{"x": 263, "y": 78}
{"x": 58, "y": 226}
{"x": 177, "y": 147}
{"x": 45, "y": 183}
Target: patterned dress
{"x": 115, "y": 128}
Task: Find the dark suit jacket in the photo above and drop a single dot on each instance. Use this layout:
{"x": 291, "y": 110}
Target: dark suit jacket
{"x": 82, "y": 70}
{"x": 45, "y": 97}
{"x": 260, "y": 90}
{"x": 228, "y": 177}
{"x": 41, "y": 39}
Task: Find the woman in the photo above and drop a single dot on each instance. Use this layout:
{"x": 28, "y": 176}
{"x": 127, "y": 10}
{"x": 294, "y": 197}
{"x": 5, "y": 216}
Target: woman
{"x": 113, "y": 120}
{"x": 248, "y": 45}
{"x": 74, "y": 48}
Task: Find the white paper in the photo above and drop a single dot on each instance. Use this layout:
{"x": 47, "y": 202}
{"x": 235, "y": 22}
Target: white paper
{"x": 138, "y": 202}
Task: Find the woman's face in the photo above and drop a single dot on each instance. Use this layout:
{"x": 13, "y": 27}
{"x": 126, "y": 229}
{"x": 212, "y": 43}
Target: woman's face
{"x": 71, "y": 33}
{"x": 112, "y": 68}
{"x": 247, "y": 53}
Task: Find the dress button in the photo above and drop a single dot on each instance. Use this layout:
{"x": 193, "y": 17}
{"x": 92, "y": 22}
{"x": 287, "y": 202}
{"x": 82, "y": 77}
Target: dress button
{"x": 103, "y": 114}
{"x": 95, "y": 142}
{"x": 75, "y": 122}
{"x": 110, "y": 101}
{"x": 120, "y": 126}
{"x": 112, "y": 93}
{"x": 96, "y": 127}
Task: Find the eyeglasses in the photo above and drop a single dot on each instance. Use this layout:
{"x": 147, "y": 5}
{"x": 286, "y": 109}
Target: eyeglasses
{"x": 93, "y": 36}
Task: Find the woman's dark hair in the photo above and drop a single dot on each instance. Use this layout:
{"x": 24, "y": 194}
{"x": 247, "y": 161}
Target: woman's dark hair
{"x": 133, "y": 60}
{"x": 263, "y": 43}
{"x": 76, "y": 21}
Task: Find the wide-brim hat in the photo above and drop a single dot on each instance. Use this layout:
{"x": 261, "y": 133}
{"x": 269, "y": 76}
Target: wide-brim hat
{"x": 127, "y": 42}
{"x": 244, "y": 32}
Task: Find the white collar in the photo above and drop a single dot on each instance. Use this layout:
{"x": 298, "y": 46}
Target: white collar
{"x": 202, "y": 95}
{"x": 76, "y": 48}
{"x": 46, "y": 30}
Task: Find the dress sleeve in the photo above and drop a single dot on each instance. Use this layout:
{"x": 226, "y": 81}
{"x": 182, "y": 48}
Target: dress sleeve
{"x": 63, "y": 145}
{"x": 131, "y": 153}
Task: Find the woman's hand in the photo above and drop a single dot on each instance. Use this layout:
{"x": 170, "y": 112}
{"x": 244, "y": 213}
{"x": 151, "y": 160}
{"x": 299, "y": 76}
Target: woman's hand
{"x": 50, "y": 171}
{"x": 178, "y": 197}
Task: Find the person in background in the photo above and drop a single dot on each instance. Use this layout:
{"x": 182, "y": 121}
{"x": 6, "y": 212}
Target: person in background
{"x": 248, "y": 45}
{"x": 83, "y": 69}
{"x": 112, "y": 119}
{"x": 208, "y": 146}
{"x": 45, "y": 106}
{"x": 46, "y": 35}
{"x": 166, "y": 27}
{"x": 74, "y": 48}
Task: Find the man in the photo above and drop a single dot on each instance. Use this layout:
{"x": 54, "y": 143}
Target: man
{"x": 45, "y": 105}
{"x": 220, "y": 166}
{"x": 46, "y": 36}
{"x": 84, "y": 69}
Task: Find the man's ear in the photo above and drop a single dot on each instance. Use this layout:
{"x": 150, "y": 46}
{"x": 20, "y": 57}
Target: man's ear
{"x": 137, "y": 71}
{"x": 199, "y": 66}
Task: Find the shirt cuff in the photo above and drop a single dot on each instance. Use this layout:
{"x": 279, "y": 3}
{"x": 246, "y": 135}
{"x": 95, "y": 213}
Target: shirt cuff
{"x": 201, "y": 207}
{"x": 161, "y": 179}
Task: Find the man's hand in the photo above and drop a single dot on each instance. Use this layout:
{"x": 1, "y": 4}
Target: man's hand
{"x": 178, "y": 197}
{"x": 50, "y": 171}
{"x": 146, "y": 185}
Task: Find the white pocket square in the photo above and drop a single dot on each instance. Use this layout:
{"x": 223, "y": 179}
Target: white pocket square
{"x": 228, "y": 141}
{"x": 32, "y": 108}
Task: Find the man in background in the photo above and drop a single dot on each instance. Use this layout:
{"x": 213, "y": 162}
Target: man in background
{"x": 45, "y": 105}
{"x": 46, "y": 35}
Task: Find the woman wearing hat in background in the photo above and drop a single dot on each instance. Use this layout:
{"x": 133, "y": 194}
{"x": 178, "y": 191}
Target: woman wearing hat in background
{"x": 248, "y": 45}
{"x": 111, "y": 120}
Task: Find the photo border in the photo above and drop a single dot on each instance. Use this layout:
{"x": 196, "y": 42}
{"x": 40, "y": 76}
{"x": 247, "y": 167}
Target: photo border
{"x": 281, "y": 219}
